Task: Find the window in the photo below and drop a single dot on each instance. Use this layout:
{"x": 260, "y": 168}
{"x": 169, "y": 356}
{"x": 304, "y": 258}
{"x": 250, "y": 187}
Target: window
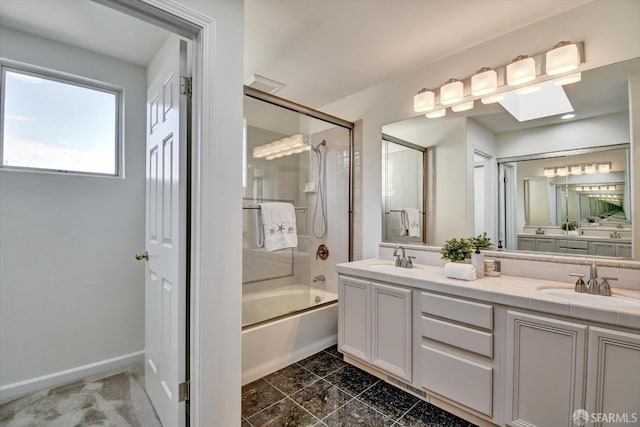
{"x": 56, "y": 124}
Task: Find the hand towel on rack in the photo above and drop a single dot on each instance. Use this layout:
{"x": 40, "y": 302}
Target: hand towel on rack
{"x": 278, "y": 225}
{"x": 410, "y": 222}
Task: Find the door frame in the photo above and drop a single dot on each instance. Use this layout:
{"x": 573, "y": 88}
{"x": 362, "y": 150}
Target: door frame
{"x": 214, "y": 375}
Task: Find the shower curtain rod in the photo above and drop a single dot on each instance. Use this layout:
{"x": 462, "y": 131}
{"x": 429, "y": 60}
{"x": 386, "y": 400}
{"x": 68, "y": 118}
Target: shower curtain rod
{"x": 298, "y": 208}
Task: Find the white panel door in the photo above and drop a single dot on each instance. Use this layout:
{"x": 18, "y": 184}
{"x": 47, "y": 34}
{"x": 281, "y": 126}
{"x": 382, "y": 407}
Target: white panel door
{"x": 165, "y": 295}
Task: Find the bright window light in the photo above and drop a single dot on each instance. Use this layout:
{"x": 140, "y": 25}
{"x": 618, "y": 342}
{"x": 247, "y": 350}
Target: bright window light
{"x": 55, "y": 124}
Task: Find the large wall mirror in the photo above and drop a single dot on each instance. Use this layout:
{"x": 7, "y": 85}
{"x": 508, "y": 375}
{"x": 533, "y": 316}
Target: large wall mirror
{"x": 556, "y": 183}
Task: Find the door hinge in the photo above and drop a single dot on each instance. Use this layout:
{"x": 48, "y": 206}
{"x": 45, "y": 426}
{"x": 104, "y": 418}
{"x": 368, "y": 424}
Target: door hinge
{"x": 183, "y": 391}
{"x": 186, "y": 86}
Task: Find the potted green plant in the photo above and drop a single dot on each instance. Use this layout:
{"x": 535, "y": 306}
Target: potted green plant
{"x": 481, "y": 241}
{"x": 456, "y": 250}
{"x": 571, "y": 227}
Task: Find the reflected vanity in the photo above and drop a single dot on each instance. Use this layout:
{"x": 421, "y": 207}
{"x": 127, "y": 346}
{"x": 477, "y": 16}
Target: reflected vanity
{"x": 547, "y": 184}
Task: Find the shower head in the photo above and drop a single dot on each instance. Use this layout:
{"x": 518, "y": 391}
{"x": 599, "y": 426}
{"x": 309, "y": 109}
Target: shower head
{"x": 316, "y": 148}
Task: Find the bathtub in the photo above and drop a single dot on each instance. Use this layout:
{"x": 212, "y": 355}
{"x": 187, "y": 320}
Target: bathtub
{"x": 291, "y": 335}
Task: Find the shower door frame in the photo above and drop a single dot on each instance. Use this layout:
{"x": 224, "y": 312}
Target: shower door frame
{"x": 290, "y": 105}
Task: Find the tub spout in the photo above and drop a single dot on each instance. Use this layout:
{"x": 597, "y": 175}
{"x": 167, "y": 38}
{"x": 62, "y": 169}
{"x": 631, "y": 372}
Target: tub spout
{"x": 319, "y": 278}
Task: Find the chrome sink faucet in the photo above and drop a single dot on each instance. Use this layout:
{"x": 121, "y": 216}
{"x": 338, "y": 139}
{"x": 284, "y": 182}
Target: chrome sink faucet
{"x": 592, "y": 284}
{"x": 402, "y": 261}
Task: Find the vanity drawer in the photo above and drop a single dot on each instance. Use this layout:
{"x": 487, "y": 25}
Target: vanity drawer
{"x": 573, "y": 244}
{"x": 471, "y": 313}
{"x": 456, "y": 378}
{"x": 458, "y": 336}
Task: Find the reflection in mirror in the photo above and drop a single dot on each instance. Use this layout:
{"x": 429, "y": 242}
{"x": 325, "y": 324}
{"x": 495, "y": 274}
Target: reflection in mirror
{"x": 596, "y": 133}
{"x": 574, "y": 203}
{"x": 403, "y": 191}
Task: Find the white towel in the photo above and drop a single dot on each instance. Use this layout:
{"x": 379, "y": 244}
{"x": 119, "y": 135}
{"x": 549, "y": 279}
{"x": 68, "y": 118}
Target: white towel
{"x": 410, "y": 222}
{"x": 457, "y": 270}
{"x": 278, "y": 226}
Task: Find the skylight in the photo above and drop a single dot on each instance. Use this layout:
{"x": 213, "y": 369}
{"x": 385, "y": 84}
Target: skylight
{"x": 551, "y": 100}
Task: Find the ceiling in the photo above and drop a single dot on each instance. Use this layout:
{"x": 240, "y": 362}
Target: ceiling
{"x": 322, "y": 50}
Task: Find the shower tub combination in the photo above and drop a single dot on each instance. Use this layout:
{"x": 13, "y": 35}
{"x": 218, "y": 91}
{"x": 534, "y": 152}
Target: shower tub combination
{"x": 285, "y": 325}
{"x": 289, "y": 307}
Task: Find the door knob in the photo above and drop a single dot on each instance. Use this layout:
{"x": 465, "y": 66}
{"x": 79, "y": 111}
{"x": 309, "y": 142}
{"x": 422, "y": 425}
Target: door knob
{"x": 142, "y": 255}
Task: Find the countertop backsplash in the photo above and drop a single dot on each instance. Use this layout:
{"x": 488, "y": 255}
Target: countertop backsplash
{"x": 537, "y": 265}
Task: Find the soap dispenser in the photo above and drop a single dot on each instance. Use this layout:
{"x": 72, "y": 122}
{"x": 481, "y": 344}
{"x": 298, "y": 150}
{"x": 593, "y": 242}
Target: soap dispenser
{"x": 477, "y": 260}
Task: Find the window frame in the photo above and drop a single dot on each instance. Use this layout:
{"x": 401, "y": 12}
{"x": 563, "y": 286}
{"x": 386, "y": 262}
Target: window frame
{"x": 69, "y": 79}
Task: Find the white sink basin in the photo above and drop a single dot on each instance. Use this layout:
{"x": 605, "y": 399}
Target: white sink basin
{"x": 391, "y": 268}
{"x": 613, "y": 300}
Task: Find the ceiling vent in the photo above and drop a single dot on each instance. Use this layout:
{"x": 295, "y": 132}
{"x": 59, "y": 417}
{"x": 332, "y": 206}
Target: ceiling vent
{"x": 264, "y": 84}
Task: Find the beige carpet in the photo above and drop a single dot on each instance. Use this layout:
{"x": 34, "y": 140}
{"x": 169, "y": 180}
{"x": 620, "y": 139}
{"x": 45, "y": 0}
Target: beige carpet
{"x": 117, "y": 399}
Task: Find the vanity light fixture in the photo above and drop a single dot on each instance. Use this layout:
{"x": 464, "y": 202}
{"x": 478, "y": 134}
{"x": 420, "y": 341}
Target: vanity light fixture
{"x": 484, "y": 81}
{"x": 424, "y": 101}
{"x": 521, "y": 70}
{"x": 604, "y": 167}
{"x": 462, "y": 107}
{"x": 526, "y": 74}
{"x": 451, "y": 92}
{"x": 566, "y": 80}
{"x": 564, "y": 57}
{"x": 549, "y": 172}
{"x": 576, "y": 170}
{"x": 589, "y": 169}
{"x": 562, "y": 171}
{"x": 437, "y": 113}
{"x": 568, "y": 116}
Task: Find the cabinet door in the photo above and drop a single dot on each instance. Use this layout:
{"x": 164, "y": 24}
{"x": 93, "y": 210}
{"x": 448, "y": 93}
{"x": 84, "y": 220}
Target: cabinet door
{"x": 544, "y": 369}
{"x": 545, "y": 245}
{"x": 526, "y": 244}
{"x": 603, "y": 249}
{"x": 391, "y": 334}
{"x": 613, "y": 376}
{"x": 354, "y": 317}
{"x": 623, "y": 250}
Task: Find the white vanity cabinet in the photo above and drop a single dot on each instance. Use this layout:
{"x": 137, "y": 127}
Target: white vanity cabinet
{"x": 545, "y": 366}
{"x": 613, "y": 375}
{"x": 374, "y": 325}
{"x": 456, "y": 351}
{"x": 354, "y": 317}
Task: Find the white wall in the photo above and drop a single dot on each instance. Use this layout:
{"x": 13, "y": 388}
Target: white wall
{"x": 605, "y": 27}
{"x": 71, "y": 292}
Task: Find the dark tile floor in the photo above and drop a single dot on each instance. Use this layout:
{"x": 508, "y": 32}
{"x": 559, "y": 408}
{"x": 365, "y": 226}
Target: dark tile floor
{"x": 323, "y": 390}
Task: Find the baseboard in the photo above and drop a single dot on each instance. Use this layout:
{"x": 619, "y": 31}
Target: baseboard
{"x": 21, "y": 388}
{"x": 287, "y": 359}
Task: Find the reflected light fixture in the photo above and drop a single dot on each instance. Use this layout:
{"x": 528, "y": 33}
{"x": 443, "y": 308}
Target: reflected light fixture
{"x": 578, "y": 188}
{"x": 568, "y": 116}
{"x": 437, "y": 113}
{"x": 566, "y": 80}
{"x": 521, "y": 70}
{"x": 492, "y": 98}
{"x": 528, "y": 89}
{"x": 604, "y": 167}
{"x": 549, "y": 172}
{"x": 563, "y": 58}
{"x": 612, "y": 187}
{"x": 462, "y": 107}
{"x": 484, "y": 82}
{"x": 283, "y": 147}
{"x": 576, "y": 170}
{"x": 424, "y": 101}
{"x": 562, "y": 171}
{"x": 451, "y": 92}
{"x": 589, "y": 169}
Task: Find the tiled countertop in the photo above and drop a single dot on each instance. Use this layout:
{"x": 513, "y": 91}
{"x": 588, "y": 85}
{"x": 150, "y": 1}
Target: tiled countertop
{"x": 505, "y": 290}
